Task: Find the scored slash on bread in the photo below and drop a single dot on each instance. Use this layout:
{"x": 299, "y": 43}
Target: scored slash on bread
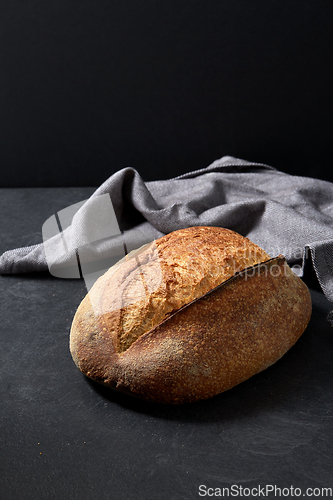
{"x": 189, "y": 316}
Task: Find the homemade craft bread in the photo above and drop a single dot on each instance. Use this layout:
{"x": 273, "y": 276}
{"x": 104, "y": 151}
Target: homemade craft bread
{"x": 189, "y": 316}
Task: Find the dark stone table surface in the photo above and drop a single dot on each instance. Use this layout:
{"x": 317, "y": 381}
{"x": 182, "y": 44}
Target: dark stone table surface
{"x": 65, "y": 437}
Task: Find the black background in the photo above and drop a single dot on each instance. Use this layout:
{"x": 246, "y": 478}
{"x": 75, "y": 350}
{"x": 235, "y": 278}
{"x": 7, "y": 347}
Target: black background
{"x": 89, "y": 87}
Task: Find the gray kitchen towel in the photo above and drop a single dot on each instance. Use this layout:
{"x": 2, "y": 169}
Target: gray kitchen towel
{"x": 282, "y": 213}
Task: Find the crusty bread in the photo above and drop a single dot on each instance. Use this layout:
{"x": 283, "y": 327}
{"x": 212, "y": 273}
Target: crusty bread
{"x": 189, "y": 316}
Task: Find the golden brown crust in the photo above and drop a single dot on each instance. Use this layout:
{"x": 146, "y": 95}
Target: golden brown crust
{"x": 166, "y": 275}
{"x": 223, "y": 337}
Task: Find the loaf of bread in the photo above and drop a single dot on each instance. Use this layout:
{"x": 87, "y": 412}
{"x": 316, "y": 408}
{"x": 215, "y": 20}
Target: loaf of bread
{"x": 189, "y": 316}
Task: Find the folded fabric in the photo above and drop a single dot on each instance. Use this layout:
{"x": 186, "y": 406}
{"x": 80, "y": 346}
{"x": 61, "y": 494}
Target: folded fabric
{"x": 282, "y": 213}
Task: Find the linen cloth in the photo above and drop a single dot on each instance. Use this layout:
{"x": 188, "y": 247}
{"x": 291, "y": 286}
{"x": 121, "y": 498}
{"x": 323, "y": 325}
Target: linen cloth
{"x": 282, "y": 213}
